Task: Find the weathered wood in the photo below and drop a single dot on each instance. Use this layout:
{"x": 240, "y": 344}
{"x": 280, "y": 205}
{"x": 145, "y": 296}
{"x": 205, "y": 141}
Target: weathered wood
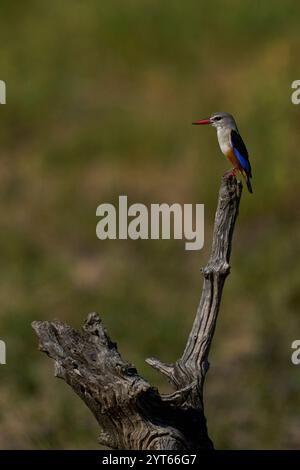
{"x": 131, "y": 413}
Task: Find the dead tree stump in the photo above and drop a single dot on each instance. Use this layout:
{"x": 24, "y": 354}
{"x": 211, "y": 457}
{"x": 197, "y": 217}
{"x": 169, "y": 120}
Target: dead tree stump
{"x": 131, "y": 413}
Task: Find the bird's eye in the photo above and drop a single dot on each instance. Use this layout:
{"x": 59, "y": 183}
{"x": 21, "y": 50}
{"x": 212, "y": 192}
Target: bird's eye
{"x": 217, "y": 118}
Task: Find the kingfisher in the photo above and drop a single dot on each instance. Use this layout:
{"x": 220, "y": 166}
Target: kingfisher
{"x": 231, "y": 144}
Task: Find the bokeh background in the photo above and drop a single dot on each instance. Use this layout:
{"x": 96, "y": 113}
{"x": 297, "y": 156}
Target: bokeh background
{"x": 100, "y": 100}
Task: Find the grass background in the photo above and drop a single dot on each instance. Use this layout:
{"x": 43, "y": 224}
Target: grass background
{"x": 100, "y": 100}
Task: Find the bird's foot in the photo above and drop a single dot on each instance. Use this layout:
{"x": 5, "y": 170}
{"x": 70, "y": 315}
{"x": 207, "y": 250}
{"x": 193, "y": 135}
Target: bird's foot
{"x": 231, "y": 173}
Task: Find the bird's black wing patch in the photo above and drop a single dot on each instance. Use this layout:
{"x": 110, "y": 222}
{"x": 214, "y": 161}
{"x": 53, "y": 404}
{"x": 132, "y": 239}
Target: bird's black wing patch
{"x": 238, "y": 143}
{"x": 240, "y": 151}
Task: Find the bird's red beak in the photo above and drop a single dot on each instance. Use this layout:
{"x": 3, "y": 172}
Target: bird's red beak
{"x": 202, "y": 122}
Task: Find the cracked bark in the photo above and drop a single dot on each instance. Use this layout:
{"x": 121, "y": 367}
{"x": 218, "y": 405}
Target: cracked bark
{"x": 131, "y": 413}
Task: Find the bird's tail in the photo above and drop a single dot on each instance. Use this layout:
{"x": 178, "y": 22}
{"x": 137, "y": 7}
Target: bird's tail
{"x": 248, "y": 182}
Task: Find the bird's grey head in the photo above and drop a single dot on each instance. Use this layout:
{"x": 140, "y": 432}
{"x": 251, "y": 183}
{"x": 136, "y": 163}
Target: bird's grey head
{"x": 224, "y": 120}
{"x": 219, "y": 120}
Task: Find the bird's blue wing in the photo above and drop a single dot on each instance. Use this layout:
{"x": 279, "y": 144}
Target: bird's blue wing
{"x": 241, "y": 152}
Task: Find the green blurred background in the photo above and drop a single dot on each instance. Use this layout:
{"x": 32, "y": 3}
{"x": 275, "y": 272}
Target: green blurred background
{"x": 100, "y": 100}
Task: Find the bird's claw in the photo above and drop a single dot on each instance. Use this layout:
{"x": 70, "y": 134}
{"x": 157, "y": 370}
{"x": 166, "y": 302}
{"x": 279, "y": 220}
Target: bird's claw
{"x": 231, "y": 173}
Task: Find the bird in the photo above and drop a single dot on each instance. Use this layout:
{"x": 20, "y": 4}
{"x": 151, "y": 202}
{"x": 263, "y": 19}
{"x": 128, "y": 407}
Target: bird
{"x": 231, "y": 144}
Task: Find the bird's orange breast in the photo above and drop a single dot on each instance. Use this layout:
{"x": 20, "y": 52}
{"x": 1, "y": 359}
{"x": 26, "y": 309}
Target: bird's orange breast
{"x": 233, "y": 158}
